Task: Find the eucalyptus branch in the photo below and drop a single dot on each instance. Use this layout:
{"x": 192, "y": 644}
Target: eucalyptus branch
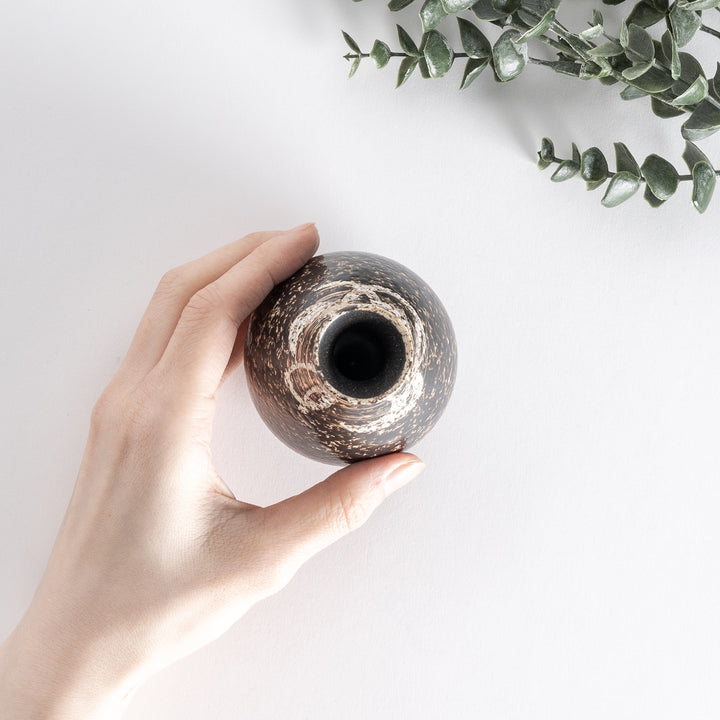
{"x": 659, "y": 176}
{"x": 659, "y": 68}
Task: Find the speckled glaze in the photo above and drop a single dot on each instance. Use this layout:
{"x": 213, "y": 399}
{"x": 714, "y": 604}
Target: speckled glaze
{"x": 300, "y": 358}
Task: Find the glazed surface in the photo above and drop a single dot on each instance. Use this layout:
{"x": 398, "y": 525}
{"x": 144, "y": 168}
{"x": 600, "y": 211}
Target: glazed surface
{"x": 284, "y": 370}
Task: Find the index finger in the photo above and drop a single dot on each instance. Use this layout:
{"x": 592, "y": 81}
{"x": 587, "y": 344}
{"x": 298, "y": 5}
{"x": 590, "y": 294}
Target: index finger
{"x": 197, "y": 354}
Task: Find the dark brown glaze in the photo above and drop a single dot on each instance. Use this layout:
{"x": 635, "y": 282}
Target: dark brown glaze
{"x": 352, "y": 357}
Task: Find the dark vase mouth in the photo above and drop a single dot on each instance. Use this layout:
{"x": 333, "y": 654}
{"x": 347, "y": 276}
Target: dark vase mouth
{"x": 362, "y": 354}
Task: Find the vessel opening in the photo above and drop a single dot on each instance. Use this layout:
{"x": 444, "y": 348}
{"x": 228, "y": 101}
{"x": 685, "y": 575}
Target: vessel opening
{"x": 362, "y": 354}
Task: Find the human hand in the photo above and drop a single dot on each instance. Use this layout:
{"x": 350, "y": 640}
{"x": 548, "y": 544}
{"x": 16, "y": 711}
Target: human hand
{"x": 155, "y": 556}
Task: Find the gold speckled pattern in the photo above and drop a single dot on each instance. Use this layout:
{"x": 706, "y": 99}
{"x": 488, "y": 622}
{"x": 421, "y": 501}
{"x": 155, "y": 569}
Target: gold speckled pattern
{"x": 284, "y": 372}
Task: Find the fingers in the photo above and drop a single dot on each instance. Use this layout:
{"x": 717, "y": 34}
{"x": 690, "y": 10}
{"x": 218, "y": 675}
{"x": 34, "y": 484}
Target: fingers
{"x": 301, "y": 526}
{"x": 199, "y": 349}
{"x": 172, "y": 294}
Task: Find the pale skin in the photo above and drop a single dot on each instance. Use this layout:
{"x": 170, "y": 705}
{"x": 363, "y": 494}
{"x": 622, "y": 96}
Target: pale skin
{"x": 156, "y": 557}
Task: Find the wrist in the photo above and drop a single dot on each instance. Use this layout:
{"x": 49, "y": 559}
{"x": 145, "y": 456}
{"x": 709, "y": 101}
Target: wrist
{"x": 49, "y": 672}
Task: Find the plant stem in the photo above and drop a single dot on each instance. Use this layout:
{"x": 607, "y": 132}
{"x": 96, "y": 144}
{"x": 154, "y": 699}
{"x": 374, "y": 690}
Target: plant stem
{"x": 710, "y": 31}
{"x": 681, "y": 178}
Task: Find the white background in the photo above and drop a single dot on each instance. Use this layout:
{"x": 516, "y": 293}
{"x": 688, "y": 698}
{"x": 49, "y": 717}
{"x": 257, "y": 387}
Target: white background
{"x": 559, "y": 557}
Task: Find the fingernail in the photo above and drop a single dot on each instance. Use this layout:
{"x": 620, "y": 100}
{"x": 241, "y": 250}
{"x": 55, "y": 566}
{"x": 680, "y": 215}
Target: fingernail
{"x": 402, "y": 475}
{"x": 303, "y": 227}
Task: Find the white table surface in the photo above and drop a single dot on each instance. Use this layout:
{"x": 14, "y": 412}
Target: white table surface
{"x": 559, "y": 558}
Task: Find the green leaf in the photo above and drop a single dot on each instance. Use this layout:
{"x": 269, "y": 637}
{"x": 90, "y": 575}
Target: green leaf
{"x": 593, "y": 167}
{"x": 654, "y": 81}
{"x": 395, "y": 5}
{"x": 697, "y": 92}
{"x": 652, "y": 200}
{"x": 407, "y": 66}
{"x": 637, "y": 70}
{"x": 662, "y": 178}
{"x": 438, "y": 54}
{"x": 547, "y": 150}
{"x": 509, "y": 59}
{"x": 630, "y": 92}
{"x": 704, "y": 181}
{"x": 474, "y": 43}
{"x": 354, "y": 66}
{"x": 607, "y": 49}
{"x": 456, "y": 6}
{"x": 683, "y": 24}
{"x": 473, "y": 68}
{"x": 351, "y": 43}
{"x": 664, "y": 111}
{"x": 485, "y": 11}
{"x": 624, "y": 160}
{"x": 704, "y": 121}
{"x": 540, "y": 29}
{"x": 692, "y": 155}
{"x": 380, "y": 53}
{"x": 699, "y": 4}
{"x": 639, "y": 45}
{"x": 506, "y": 6}
{"x": 703, "y": 176}
{"x": 645, "y": 14}
{"x": 431, "y": 13}
{"x": 407, "y": 43}
{"x": 530, "y": 11}
{"x": 715, "y": 83}
{"x": 675, "y": 61}
{"x": 592, "y": 32}
{"x": 622, "y": 186}
{"x": 565, "y": 170}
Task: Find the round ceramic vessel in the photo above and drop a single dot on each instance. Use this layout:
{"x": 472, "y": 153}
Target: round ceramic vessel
{"x": 352, "y": 357}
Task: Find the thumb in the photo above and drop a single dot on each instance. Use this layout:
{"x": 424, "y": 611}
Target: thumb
{"x": 302, "y": 525}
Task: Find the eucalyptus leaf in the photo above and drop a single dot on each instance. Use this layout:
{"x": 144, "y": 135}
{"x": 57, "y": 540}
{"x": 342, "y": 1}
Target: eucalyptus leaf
{"x": 474, "y": 42}
{"x": 622, "y": 186}
{"x": 645, "y": 14}
{"x": 652, "y": 200}
{"x": 565, "y": 170}
{"x": 407, "y": 43}
{"x": 662, "y": 178}
{"x": 438, "y": 54}
{"x": 593, "y": 166}
{"x": 380, "y": 53}
{"x": 407, "y": 66}
{"x": 351, "y": 43}
{"x": 547, "y": 150}
{"x": 703, "y": 176}
{"x": 704, "y": 121}
{"x": 624, "y": 160}
{"x": 485, "y": 11}
{"x": 663, "y": 110}
{"x": 654, "y": 80}
{"x": 530, "y": 11}
{"x": 456, "y": 6}
{"x": 506, "y": 6}
{"x": 697, "y": 92}
{"x": 509, "y": 59}
{"x": 540, "y": 29}
{"x": 432, "y": 13}
{"x": 704, "y": 181}
{"x": 473, "y": 68}
{"x": 684, "y": 24}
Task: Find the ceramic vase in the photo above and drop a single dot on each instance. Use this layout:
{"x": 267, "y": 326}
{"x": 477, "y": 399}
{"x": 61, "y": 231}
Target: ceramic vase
{"x": 352, "y": 357}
